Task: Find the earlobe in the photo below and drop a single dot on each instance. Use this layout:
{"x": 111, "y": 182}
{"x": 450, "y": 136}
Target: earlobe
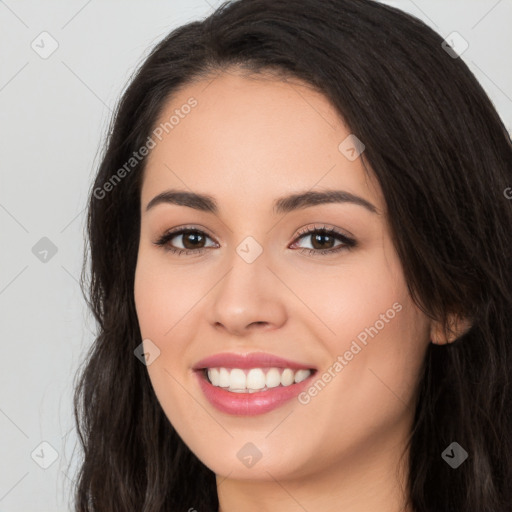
{"x": 455, "y": 329}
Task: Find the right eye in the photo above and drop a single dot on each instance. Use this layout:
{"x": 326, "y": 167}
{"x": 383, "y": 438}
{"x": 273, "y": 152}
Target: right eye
{"x": 191, "y": 237}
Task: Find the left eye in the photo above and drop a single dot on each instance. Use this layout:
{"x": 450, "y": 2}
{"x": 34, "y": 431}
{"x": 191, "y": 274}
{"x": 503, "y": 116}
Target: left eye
{"x": 322, "y": 241}
{"x": 193, "y": 240}
{"x": 319, "y": 235}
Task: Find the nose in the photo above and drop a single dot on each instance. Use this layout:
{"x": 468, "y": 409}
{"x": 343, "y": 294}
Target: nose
{"x": 248, "y": 297}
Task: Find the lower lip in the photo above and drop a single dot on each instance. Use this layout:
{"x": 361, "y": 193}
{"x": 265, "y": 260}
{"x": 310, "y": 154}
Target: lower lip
{"x": 249, "y": 404}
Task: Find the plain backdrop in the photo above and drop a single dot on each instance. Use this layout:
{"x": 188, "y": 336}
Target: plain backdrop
{"x": 54, "y": 115}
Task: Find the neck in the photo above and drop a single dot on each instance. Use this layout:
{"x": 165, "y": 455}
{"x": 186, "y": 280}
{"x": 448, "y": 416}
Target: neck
{"x": 374, "y": 480}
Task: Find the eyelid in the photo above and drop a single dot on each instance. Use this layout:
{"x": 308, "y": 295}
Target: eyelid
{"x": 324, "y": 227}
{"x": 303, "y": 231}
{"x": 194, "y": 227}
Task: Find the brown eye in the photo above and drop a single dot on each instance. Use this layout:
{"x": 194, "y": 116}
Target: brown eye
{"x": 192, "y": 241}
{"x": 322, "y": 240}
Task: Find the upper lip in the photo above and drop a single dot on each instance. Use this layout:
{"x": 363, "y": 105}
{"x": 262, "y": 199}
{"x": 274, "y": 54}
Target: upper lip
{"x": 249, "y": 360}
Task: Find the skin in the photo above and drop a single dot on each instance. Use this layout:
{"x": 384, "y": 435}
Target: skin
{"x": 249, "y": 141}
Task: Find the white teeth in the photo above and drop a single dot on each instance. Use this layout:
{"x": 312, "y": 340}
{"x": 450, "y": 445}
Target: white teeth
{"x": 252, "y": 380}
{"x": 287, "y": 377}
{"x": 237, "y": 380}
{"x": 273, "y": 378}
{"x": 213, "y": 375}
{"x": 223, "y": 378}
{"x": 302, "y": 375}
{"x": 255, "y": 379}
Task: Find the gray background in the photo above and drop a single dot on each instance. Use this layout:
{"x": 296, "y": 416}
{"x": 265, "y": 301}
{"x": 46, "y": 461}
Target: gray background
{"x": 55, "y": 112}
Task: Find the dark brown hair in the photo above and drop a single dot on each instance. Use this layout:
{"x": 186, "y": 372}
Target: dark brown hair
{"x": 443, "y": 159}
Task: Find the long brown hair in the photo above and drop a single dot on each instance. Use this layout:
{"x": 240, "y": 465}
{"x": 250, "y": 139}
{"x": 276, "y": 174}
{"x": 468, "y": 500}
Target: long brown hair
{"x": 443, "y": 159}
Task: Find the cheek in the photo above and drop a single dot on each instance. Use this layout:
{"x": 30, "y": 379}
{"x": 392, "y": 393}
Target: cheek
{"x": 351, "y": 297}
{"x": 162, "y": 297}
{"x": 377, "y": 340}
{"x": 367, "y": 387}
{"x": 162, "y": 308}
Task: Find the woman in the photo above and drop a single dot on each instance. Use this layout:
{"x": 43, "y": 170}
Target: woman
{"x": 237, "y": 368}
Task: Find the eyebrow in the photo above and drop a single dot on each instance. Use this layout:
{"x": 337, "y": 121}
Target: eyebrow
{"x": 286, "y": 204}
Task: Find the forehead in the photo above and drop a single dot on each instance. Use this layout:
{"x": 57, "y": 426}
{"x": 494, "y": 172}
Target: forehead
{"x": 253, "y": 139}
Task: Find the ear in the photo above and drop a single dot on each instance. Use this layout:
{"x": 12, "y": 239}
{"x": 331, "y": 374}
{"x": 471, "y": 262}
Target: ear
{"x": 456, "y": 327}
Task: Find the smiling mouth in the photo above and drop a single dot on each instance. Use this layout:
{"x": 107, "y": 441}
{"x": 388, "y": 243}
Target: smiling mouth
{"x": 252, "y": 380}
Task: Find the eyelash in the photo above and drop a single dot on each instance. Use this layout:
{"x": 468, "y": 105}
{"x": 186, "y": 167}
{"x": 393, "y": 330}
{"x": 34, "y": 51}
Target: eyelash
{"x": 347, "y": 243}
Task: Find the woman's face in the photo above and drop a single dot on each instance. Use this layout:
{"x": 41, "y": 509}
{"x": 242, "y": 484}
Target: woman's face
{"x": 253, "y": 281}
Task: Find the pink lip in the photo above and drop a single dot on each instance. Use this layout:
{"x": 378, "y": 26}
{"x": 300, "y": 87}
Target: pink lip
{"x": 249, "y": 404}
{"x": 251, "y": 360}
